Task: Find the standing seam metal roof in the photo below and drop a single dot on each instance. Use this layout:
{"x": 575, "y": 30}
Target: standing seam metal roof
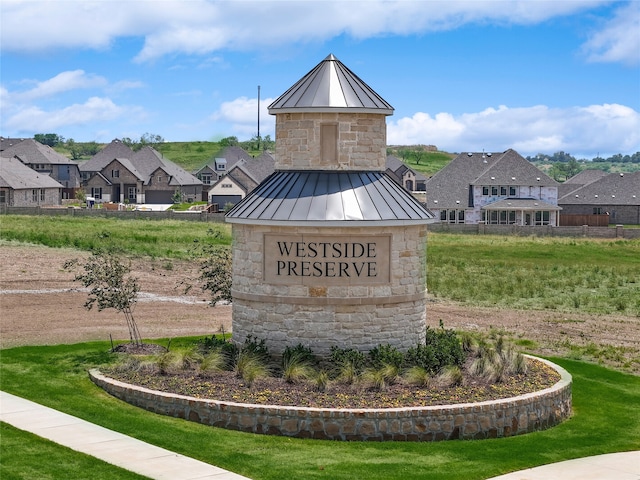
{"x": 324, "y": 196}
{"x": 330, "y": 85}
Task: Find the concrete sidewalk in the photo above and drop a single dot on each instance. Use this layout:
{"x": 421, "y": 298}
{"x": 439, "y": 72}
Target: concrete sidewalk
{"x": 112, "y": 447}
{"x": 613, "y": 466}
{"x": 158, "y": 463}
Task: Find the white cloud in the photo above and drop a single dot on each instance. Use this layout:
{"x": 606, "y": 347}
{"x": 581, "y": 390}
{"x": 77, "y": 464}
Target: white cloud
{"x": 619, "y": 40}
{"x": 95, "y": 109}
{"x": 63, "y": 82}
{"x": 201, "y": 27}
{"x": 242, "y": 114}
{"x": 581, "y": 131}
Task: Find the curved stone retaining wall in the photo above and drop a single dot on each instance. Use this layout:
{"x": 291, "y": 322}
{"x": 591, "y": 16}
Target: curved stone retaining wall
{"x": 501, "y": 418}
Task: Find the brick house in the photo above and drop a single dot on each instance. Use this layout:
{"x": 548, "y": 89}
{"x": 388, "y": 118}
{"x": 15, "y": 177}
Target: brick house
{"x": 220, "y": 165}
{"x": 21, "y": 186}
{"x": 241, "y": 179}
{"x": 46, "y": 161}
{"x": 495, "y": 188}
{"x": 406, "y": 176}
{"x": 145, "y": 176}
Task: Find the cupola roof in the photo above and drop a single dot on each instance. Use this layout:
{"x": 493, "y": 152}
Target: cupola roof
{"x": 328, "y": 87}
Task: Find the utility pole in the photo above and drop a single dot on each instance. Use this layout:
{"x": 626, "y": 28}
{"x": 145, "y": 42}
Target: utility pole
{"x": 258, "y": 117}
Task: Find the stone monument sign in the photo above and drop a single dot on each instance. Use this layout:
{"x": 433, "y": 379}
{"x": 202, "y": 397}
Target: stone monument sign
{"x": 329, "y": 250}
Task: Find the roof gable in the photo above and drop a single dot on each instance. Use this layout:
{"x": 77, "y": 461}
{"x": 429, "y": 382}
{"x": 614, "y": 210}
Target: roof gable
{"x": 511, "y": 168}
{"x": 14, "y": 174}
{"x": 31, "y": 152}
{"x": 116, "y": 149}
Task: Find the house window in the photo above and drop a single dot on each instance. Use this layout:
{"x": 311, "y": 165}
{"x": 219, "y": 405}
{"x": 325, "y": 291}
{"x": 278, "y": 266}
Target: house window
{"x": 221, "y": 164}
{"x": 115, "y": 173}
{"x": 227, "y": 185}
{"x": 42, "y": 194}
{"x": 96, "y": 192}
{"x": 452, "y": 216}
{"x": 503, "y": 191}
{"x": 485, "y": 190}
{"x": 206, "y": 178}
{"x": 328, "y": 143}
{"x": 494, "y": 190}
{"x": 494, "y": 217}
{"x": 542, "y": 218}
{"x": 159, "y": 178}
{"x": 512, "y": 191}
{"x": 3, "y": 196}
{"x": 34, "y": 195}
{"x": 132, "y": 193}
{"x": 512, "y": 217}
{"x": 597, "y": 210}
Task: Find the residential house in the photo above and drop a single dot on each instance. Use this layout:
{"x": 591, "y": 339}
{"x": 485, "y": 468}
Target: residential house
{"x": 495, "y": 188}
{"x": 404, "y": 175}
{"x": 598, "y": 193}
{"x": 97, "y": 163}
{"x": 119, "y": 181}
{"x": 164, "y": 179}
{"x": 220, "y": 165}
{"x": 21, "y": 186}
{"x": 145, "y": 176}
{"x": 241, "y": 179}
{"x": 46, "y": 161}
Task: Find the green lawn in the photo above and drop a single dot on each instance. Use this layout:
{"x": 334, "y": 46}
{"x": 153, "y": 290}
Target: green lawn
{"x": 27, "y": 456}
{"x": 604, "y": 421}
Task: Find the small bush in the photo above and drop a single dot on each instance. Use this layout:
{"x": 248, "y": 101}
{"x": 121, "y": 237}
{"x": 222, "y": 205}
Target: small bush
{"x": 384, "y": 355}
{"x": 348, "y": 363}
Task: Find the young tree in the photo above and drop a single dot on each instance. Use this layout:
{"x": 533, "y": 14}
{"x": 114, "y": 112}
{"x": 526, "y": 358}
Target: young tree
{"x": 105, "y": 274}
{"x": 216, "y": 273}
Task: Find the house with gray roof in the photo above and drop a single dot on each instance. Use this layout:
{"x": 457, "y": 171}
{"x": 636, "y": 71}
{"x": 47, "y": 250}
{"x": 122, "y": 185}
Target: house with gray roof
{"x": 495, "y": 188}
{"x": 406, "y": 176}
{"x": 145, "y": 176}
{"x": 115, "y": 149}
{"x": 46, "y": 161}
{"x": 21, "y": 186}
{"x": 242, "y": 179}
{"x": 221, "y": 164}
{"x": 615, "y": 194}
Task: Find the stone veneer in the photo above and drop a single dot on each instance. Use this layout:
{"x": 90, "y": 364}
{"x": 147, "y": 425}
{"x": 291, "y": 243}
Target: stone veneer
{"x": 359, "y": 316}
{"x": 361, "y": 142}
{"x": 492, "y": 419}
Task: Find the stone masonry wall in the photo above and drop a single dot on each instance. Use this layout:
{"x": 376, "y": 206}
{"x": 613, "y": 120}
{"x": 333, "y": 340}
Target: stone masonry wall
{"x": 320, "y": 315}
{"x": 501, "y": 418}
{"x": 361, "y": 141}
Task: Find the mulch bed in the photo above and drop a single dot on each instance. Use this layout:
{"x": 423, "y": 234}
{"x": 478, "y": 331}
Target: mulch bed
{"x": 226, "y": 386}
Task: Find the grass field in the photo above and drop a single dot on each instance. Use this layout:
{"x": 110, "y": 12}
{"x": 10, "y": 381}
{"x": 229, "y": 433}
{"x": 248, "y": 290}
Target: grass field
{"x": 603, "y": 422}
{"x": 564, "y": 274}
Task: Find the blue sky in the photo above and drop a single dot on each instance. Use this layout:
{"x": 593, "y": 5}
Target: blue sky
{"x": 536, "y": 75}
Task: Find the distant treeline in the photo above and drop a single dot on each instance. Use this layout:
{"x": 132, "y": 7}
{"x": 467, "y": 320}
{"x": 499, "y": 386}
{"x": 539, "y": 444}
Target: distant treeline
{"x": 567, "y": 157}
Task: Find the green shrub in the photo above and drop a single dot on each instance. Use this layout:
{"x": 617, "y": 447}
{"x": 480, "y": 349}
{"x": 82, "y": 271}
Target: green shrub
{"x": 384, "y": 355}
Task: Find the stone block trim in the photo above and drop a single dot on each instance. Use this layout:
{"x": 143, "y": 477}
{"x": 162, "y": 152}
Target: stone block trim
{"x": 491, "y": 419}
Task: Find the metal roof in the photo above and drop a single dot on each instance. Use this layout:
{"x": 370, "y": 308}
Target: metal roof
{"x": 327, "y": 87}
{"x": 328, "y": 198}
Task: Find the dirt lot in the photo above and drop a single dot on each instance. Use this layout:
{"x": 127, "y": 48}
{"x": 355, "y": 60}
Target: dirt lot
{"x": 40, "y": 304}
